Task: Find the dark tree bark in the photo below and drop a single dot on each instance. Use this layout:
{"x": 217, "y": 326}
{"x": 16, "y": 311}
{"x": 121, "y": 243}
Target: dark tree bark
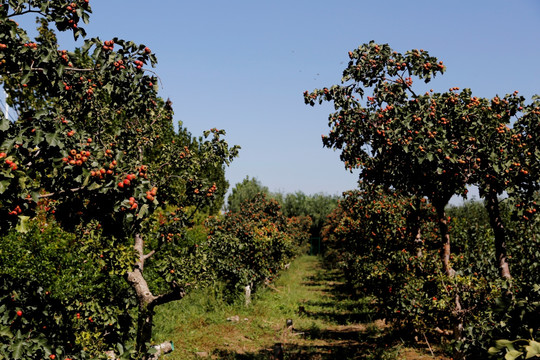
{"x": 499, "y": 232}
{"x": 445, "y": 237}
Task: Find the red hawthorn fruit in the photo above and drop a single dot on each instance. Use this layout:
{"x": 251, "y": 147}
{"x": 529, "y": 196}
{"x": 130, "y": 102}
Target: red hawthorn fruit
{"x": 2, "y": 155}
{"x": 52, "y": 356}
{"x": 147, "y": 50}
{"x": 19, "y": 313}
{"x": 121, "y": 185}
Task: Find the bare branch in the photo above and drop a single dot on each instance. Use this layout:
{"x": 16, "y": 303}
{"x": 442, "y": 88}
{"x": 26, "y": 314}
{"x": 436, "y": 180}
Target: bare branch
{"x": 49, "y": 195}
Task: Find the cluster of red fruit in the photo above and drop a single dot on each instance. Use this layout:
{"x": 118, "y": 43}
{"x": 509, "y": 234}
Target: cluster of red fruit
{"x": 142, "y": 171}
{"x": 212, "y": 190}
{"x": 16, "y": 211}
{"x": 133, "y": 203}
{"x": 76, "y": 157}
{"x": 9, "y": 162}
{"x": 119, "y": 65}
{"x": 139, "y": 64}
{"x": 108, "y": 45}
{"x": 63, "y": 55}
{"x": 127, "y": 180}
{"x": 71, "y": 7}
{"x": 150, "y": 195}
{"x": 100, "y": 173}
{"x": 31, "y": 45}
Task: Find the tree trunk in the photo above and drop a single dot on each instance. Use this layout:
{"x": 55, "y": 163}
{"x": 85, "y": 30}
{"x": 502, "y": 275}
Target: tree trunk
{"x": 247, "y": 294}
{"x": 458, "y": 328}
{"x": 144, "y": 329}
{"x": 414, "y": 227}
{"x": 146, "y": 300}
{"x": 499, "y": 232}
{"x": 445, "y": 236}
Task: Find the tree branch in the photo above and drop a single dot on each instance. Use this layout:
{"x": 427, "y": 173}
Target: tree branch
{"x": 177, "y": 293}
{"x": 44, "y": 196}
{"x": 27, "y": 12}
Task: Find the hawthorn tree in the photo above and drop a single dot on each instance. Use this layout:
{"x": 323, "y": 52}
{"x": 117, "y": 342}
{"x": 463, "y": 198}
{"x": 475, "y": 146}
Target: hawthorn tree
{"x": 422, "y": 143}
{"x": 252, "y": 244}
{"x": 93, "y": 137}
{"x": 245, "y": 191}
{"x": 425, "y": 144}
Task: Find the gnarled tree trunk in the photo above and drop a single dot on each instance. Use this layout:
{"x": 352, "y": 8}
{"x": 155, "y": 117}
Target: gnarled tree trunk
{"x": 147, "y": 301}
{"x": 445, "y": 236}
{"x": 499, "y": 232}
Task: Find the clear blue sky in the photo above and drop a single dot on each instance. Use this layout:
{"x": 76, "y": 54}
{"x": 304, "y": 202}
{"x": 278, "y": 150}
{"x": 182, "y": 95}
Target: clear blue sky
{"x": 243, "y": 65}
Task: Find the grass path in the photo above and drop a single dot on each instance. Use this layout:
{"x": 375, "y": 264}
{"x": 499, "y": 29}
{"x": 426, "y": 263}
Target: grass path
{"x": 326, "y": 324}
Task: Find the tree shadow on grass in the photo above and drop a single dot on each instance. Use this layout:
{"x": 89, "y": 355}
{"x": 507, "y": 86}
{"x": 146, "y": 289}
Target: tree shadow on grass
{"x": 353, "y": 334}
{"x": 328, "y": 344}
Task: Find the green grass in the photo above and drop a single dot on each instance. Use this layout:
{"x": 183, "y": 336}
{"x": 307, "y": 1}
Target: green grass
{"x": 327, "y": 324}
{"x": 199, "y": 321}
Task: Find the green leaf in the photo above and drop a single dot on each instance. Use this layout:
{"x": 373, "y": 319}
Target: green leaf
{"x": 22, "y": 225}
{"x": 4, "y": 331}
{"x": 4, "y": 184}
{"x": 504, "y": 343}
{"x": 94, "y": 186}
{"x": 143, "y": 211}
{"x": 40, "y": 113}
{"x": 17, "y": 349}
{"x": 53, "y": 140}
{"x": 85, "y": 17}
{"x": 533, "y": 349}
{"x": 4, "y": 124}
{"x": 512, "y": 355}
